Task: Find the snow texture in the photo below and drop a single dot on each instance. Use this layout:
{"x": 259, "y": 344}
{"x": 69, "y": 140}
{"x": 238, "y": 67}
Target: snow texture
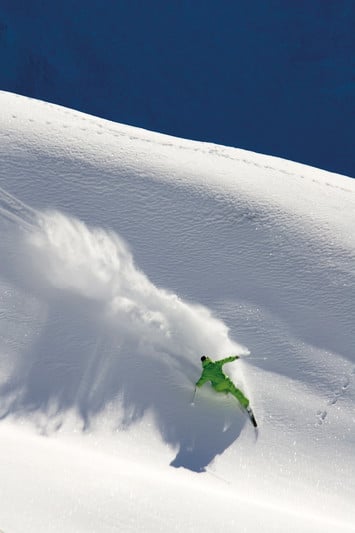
{"x": 125, "y": 256}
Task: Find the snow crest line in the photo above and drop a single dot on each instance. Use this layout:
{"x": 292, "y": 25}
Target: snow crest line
{"x": 203, "y": 148}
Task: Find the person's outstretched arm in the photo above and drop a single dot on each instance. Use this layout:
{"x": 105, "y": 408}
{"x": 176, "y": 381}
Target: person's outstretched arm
{"x": 228, "y": 359}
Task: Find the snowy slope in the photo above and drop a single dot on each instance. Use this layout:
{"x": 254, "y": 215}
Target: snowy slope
{"x": 126, "y": 255}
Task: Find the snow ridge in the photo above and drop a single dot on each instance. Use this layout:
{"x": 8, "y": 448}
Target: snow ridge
{"x": 100, "y": 331}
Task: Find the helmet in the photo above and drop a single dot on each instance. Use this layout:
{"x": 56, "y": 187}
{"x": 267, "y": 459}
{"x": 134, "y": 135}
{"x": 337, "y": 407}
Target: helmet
{"x": 205, "y": 360}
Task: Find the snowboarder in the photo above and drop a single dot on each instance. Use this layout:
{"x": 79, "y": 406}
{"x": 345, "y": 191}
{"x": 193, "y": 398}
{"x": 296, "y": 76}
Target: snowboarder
{"x": 212, "y": 371}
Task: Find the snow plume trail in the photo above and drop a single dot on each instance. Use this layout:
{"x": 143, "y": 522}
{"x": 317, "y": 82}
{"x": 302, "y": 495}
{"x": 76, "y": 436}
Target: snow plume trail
{"x": 99, "y": 266}
{"x": 100, "y": 340}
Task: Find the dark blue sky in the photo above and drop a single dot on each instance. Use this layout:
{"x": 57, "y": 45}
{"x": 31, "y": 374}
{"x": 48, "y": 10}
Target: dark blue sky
{"x": 275, "y": 76}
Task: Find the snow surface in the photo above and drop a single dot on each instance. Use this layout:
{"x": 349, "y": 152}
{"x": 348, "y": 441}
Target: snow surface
{"x": 125, "y": 256}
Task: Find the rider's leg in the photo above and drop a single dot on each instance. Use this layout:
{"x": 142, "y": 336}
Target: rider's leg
{"x": 228, "y": 386}
{"x": 243, "y": 400}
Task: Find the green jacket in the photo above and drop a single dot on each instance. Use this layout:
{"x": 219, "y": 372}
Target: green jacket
{"x": 212, "y": 371}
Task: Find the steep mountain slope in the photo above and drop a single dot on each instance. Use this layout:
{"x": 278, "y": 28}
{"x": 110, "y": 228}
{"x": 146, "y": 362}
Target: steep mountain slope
{"x": 126, "y": 255}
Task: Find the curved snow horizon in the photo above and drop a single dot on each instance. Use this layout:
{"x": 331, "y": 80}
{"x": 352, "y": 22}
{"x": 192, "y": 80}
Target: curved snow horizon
{"x": 125, "y": 256}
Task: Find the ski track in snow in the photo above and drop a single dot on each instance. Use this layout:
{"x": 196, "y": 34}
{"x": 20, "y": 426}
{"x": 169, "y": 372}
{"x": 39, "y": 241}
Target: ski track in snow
{"x": 338, "y": 394}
